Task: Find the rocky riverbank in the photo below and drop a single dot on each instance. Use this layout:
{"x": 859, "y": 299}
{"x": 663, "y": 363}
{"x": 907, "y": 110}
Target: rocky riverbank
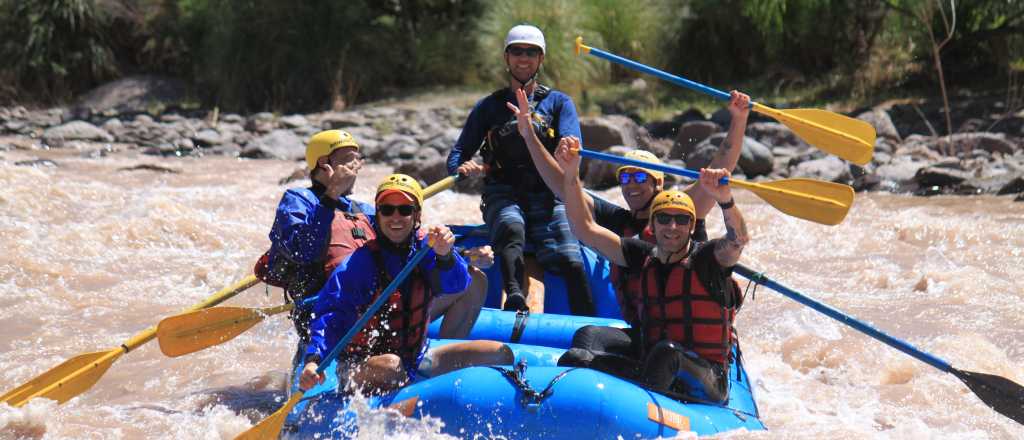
{"x": 986, "y": 156}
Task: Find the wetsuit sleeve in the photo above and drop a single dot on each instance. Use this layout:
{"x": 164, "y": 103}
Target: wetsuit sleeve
{"x": 339, "y": 301}
{"x": 635, "y": 251}
{"x": 568, "y": 120}
{"x": 471, "y": 137}
{"x": 302, "y": 226}
{"x": 452, "y": 272}
{"x": 611, "y": 216}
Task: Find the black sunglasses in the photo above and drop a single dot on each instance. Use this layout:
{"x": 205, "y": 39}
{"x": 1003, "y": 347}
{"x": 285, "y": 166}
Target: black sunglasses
{"x": 638, "y": 177}
{"x": 389, "y": 210}
{"x": 517, "y": 51}
{"x": 664, "y": 219}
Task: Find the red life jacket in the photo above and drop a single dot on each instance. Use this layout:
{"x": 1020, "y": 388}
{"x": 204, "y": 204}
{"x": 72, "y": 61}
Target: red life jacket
{"x": 400, "y": 326}
{"x": 349, "y": 231}
{"x": 619, "y": 278}
{"x": 680, "y": 307}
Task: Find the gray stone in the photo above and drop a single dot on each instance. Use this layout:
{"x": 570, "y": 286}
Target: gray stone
{"x": 882, "y": 123}
{"x": 444, "y": 141}
{"x": 1014, "y": 186}
{"x": 143, "y": 120}
{"x": 755, "y": 159}
{"x": 294, "y": 121}
{"x": 940, "y": 176}
{"x": 600, "y": 174}
{"x": 991, "y": 142}
{"x": 111, "y": 125}
{"x": 263, "y": 122}
{"x": 830, "y": 168}
{"x": 774, "y": 134}
{"x": 335, "y": 120}
{"x": 232, "y": 118}
{"x": 132, "y": 94}
{"x": 171, "y": 117}
{"x": 278, "y": 144}
{"x": 704, "y": 152}
{"x": 76, "y": 130}
{"x": 602, "y": 132}
{"x": 901, "y": 170}
{"x": 393, "y": 145}
{"x": 208, "y": 138}
{"x": 691, "y": 134}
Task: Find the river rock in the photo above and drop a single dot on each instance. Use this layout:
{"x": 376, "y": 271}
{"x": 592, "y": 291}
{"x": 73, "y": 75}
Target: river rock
{"x": 278, "y": 144}
{"x": 774, "y": 134}
{"x": 691, "y": 134}
{"x": 941, "y": 176}
{"x": 600, "y": 174}
{"x": 1012, "y": 187}
{"x": 294, "y": 121}
{"x": 208, "y": 138}
{"x": 134, "y": 94}
{"x": 75, "y": 130}
{"x": 880, "y": 120}
{"x": 991, "y": 142}
{"x": 830, "y": 168}
{"x": 702, "y": 154}
{"x": 755, "y": 159}
{"x": 262, "y": 122}
{"x": 601, "y": 132}
{"x": 392, "y": 147}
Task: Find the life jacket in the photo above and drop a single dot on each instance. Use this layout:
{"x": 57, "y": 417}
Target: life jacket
{"x": 505, "y": 151}
{"x": 682, "y": 308}
{"x": 400, "y": 326}
{"x": 349, "y": 231}
{"x": 619, "y": 276}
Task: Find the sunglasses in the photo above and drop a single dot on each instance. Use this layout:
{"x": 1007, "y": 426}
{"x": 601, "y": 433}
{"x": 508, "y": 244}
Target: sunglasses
{"x": 637, "y": 176}
{"x": 664, "y": 219}
{"x": 517, "y": 51}
{"x": 389, "y": 210}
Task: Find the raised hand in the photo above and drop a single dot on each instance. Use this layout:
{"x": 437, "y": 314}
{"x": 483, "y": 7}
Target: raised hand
{"x": 739, "y": 104}
{"x": 441, "y": 239}
{"x": 340, "y": 179}
{"x": 710, "y": 181}
{"x": 522, "y": 113}
{"x": 568, "y": 155}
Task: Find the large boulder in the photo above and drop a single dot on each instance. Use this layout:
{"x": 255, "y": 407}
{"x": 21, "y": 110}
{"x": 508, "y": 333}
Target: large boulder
{"x": 134, "y": 94}
{"x": 690, "y": 134}
{"x": 774, "y": 134}
{"x": 278, "y": 144}
{"x": 602, "y": 132}
{"x": 600, "y": 174}
{"x": 756, "y": 159}
{"x": 75, "y": 131}
{"x": 829, "y": 168}
{"x": 880, "y": 120}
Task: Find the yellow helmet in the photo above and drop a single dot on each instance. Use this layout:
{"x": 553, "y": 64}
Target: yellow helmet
{"x": 644, "y": 156}
{"x": 324, "y": 143}
{"x": 674, "y": 199}
{"x": 403, "y": 183}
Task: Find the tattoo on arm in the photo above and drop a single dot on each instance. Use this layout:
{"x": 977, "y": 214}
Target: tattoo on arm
{"x": 729, "y": 248}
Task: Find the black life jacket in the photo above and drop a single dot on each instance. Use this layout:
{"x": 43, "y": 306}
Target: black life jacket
{"x": 505, "y": 151}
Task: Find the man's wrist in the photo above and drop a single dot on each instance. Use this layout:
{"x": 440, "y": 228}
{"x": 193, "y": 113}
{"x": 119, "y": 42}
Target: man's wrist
{"x": 727, "y": 204}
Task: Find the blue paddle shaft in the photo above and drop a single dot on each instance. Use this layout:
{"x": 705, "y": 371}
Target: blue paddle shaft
{"x": 373, "y": 308}
{"x": 641, "y": 164}
{"x": 718, "y": 94}
{"x": 844, "y": 318}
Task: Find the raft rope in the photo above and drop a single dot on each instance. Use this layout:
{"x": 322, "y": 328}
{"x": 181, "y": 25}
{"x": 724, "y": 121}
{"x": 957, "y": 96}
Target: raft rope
{"x": 531, "y": 397}
{"x": 519, "y": 326}
{"x": 756, "y": 280}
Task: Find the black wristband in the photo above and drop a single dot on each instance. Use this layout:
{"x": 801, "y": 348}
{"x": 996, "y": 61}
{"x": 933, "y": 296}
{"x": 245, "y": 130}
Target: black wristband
{"x": 727, "y": 205}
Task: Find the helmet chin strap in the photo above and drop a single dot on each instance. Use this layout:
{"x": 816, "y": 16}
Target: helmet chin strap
{"x": 532, "y": 78}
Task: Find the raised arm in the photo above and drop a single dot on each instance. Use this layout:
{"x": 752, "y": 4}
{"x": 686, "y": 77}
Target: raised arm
{"x": 581, "y": 220}
{"x": 728, "y": 153}
{"x": 729, "y": 247}
{"x": 548, "y": 168}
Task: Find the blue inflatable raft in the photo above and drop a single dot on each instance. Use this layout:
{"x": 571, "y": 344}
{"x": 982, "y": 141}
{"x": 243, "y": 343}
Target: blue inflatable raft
{"x": 536, "y": 399}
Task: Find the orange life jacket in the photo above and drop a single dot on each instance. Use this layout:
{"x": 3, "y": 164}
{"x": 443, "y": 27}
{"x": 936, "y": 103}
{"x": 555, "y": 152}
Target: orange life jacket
{"x": 681, "y": 308}
{"x": 619, "y": 277}
{"x": 400, "y": 327}
{"x": 349, "y": 231}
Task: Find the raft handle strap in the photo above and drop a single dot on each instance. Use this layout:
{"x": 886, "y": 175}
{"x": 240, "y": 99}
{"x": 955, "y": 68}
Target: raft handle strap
{"x": 531, "y": 398}
{"x": 519, "y": 326}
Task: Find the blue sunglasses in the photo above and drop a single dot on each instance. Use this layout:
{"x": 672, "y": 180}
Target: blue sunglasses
{"x": 637, "y": 176}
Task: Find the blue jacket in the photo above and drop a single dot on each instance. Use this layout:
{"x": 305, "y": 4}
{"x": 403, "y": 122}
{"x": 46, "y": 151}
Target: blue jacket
{"x": 353, "y": 284}
{"x": 302, "y": 226}
{"x": 491, "y": 111}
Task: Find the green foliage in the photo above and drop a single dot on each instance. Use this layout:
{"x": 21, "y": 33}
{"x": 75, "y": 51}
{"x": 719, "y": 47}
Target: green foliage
{"x": 54, "y": 48}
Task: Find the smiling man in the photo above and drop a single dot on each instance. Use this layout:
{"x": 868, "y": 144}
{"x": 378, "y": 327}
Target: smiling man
{"x": 517, "y": 205}
{"x": 678, "y": 297}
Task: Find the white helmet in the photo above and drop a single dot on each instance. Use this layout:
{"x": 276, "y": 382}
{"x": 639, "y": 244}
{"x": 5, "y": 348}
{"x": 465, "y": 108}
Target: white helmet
{"x": 525, "y": 34}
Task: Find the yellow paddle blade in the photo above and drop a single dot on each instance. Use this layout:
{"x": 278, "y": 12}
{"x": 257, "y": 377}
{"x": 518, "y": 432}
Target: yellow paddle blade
{"x": 194, "y": 331}
{"x": 815, "y": 200}
{"x": 66, "y": 380}
{"x": 843, "y": 136}
{"x": 270, "y": 427}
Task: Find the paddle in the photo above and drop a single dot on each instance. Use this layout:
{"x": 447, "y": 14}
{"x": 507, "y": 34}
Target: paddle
{"x": 190, "y": 332}
{"x": 843, "y": 136}
{"x": 270, "y": 427}
{"x": 815, "y": 200}
{"x": 999, "y": 393}
{"x": 78, "y": 374}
